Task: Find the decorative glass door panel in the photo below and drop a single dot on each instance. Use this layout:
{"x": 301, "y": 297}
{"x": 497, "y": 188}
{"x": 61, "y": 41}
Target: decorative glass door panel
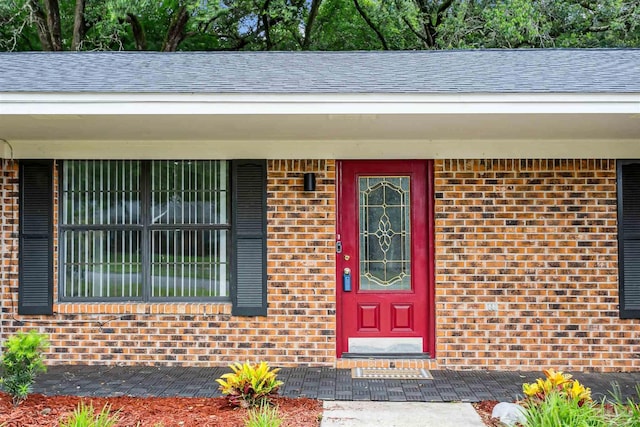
{"x": 385, "y": 233}
{"x": 384, "y": 261}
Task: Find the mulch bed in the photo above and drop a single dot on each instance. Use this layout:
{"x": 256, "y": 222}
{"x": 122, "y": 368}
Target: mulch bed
{"x": 484, "y": 409}
{"x": 39, "y": 410}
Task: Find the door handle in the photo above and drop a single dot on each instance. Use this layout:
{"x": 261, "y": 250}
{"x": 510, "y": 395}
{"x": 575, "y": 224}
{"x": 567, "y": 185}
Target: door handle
{"x": 346, "y": 280}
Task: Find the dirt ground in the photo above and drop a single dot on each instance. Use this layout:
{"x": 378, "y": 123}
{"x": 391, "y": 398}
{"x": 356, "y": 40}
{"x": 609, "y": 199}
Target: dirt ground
{"x": 39, "y": 410}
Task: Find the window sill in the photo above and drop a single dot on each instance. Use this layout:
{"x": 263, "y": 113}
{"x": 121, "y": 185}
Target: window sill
{"x": 189, "y": 308}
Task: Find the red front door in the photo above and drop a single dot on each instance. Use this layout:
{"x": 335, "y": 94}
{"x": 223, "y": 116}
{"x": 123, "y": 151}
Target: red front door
{"x": 384, "y": 261}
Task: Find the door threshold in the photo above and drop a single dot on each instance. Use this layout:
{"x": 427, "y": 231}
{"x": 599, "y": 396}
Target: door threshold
{"x": 386, "y": 356}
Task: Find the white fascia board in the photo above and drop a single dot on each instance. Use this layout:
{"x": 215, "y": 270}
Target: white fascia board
{"x": 302, "y": 104}
{"x": 322, "y": 149}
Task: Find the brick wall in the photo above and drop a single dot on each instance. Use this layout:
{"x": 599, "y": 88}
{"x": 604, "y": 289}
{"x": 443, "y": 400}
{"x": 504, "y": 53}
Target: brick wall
{"x": 526, "y": 277}
{"x": 301, "y": 246}
{"x": 535, "y": 239}
{"x": 8, "y": 244}
{"x": 301, "y": 321}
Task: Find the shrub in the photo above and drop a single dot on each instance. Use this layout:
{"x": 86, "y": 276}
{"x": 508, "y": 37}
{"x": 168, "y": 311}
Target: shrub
{"x": 22, "y": 360}
{"x": 264, "y": 416}
{"x": 85, "y": 416}
{"x": 249, "y": 385}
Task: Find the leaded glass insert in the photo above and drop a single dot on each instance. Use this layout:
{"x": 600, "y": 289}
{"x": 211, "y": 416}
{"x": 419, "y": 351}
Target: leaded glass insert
{"x": 385, "y": 233}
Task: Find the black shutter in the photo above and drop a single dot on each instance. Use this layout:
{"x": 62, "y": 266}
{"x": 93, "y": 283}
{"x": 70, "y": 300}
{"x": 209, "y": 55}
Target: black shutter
{"x": 35, "y": 294}
{"x": 629, "y": 238}
{"x": 249, "y": 224}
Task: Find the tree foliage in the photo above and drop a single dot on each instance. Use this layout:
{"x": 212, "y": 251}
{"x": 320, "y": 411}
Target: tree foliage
{"x": 170, "y": 25}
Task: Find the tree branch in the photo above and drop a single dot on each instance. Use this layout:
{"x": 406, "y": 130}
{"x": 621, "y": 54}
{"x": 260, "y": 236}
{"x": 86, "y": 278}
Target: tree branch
{"x": 53, "y": 21}
{"x": 433, "y": 29}
{"x": 371, "y": 25}
{"x": 138, "y": 31}
{"x": 444, "y": 6}
{"x": 441, "y": 10}
{"x": 40, "y": 19}
{"x": 266, "y": 24}
{"x": 203, "y": 27}
{"x": 587, "y": 5}
{"x": 416, "y": 32}
{"x": 175, "y": 33}
{"x": 313, "y": 13}
{"x": 79, "y": 25}
{"x": 600, "y": 29}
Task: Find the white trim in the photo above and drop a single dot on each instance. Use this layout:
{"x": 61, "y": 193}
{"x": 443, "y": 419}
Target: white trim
{"x": 333, "y": 104}
{"x": 328, "y": 149}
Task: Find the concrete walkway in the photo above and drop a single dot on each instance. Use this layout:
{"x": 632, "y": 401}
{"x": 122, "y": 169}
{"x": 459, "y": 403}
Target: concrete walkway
{"x": 399, "y": 414}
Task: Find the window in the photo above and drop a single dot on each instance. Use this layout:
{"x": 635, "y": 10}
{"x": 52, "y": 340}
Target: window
{"x": 629, "y": 237}
{"x": 145, "y": 230}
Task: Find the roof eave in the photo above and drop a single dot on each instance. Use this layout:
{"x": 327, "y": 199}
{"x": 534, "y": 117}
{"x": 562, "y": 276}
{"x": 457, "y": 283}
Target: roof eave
{"x": 17, "y": 103}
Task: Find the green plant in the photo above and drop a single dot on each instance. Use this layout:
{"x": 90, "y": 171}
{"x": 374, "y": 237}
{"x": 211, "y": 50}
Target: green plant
{"x": 85, "y": 416}
{"x": 560, "y": 383}
{"x": 249, "y": 384}
{"x": 22, "y": 360}
{"x": 558, "y": 400}
{"x": 558, "y": 410}
{"x": 626, "y": 413}
{"x": 264, "y": 416}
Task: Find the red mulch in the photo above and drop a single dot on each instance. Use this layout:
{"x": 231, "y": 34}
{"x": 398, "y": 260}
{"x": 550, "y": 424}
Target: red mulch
{"x": 39, "y": 410}
{"x": 484, "y": 409}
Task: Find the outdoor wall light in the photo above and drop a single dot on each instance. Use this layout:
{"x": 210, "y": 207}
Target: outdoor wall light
{"x": 309, "y": 181}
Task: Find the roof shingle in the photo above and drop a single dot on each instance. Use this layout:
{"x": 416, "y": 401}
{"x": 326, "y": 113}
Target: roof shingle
{"x": 418, "y": 72}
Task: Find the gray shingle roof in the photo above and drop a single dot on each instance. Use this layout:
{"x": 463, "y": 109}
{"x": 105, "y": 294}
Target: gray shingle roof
{"x": 478, "y": 71}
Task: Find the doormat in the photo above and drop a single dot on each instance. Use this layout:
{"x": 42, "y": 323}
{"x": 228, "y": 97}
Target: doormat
{"x": 390, "y": 374}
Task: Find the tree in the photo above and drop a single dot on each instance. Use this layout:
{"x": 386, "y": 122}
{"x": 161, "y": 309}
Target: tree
{"x": 102, "y": 24}
{"x": 366, "y": 25}
{"x": 164, "y": 25}
{"x": 170, "y": 25}
{"x": 543, "y": 23}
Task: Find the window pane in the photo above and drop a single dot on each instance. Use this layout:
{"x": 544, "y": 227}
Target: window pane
{"x": 98, "y": 192}
{"x": 385, "y": 233}
{"x": 102, "y": 264}
{"x": 189, "y": 263}
{"x": 189, "y": 192}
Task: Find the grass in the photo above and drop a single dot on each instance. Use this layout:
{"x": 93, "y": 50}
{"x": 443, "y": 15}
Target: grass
{"x": 84, "y": 416}
{"x": 263, "y": 416}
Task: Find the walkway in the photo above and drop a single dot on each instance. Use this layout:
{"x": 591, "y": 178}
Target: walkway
{"x": 319, "y": 383}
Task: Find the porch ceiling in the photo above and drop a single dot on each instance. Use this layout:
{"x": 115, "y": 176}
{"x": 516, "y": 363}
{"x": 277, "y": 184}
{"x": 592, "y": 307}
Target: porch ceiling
{"x": 467, "y": 128}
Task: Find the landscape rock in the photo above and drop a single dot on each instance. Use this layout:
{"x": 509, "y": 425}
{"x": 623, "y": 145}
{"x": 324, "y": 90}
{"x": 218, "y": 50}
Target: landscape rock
{"x": 509, "y": 413}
